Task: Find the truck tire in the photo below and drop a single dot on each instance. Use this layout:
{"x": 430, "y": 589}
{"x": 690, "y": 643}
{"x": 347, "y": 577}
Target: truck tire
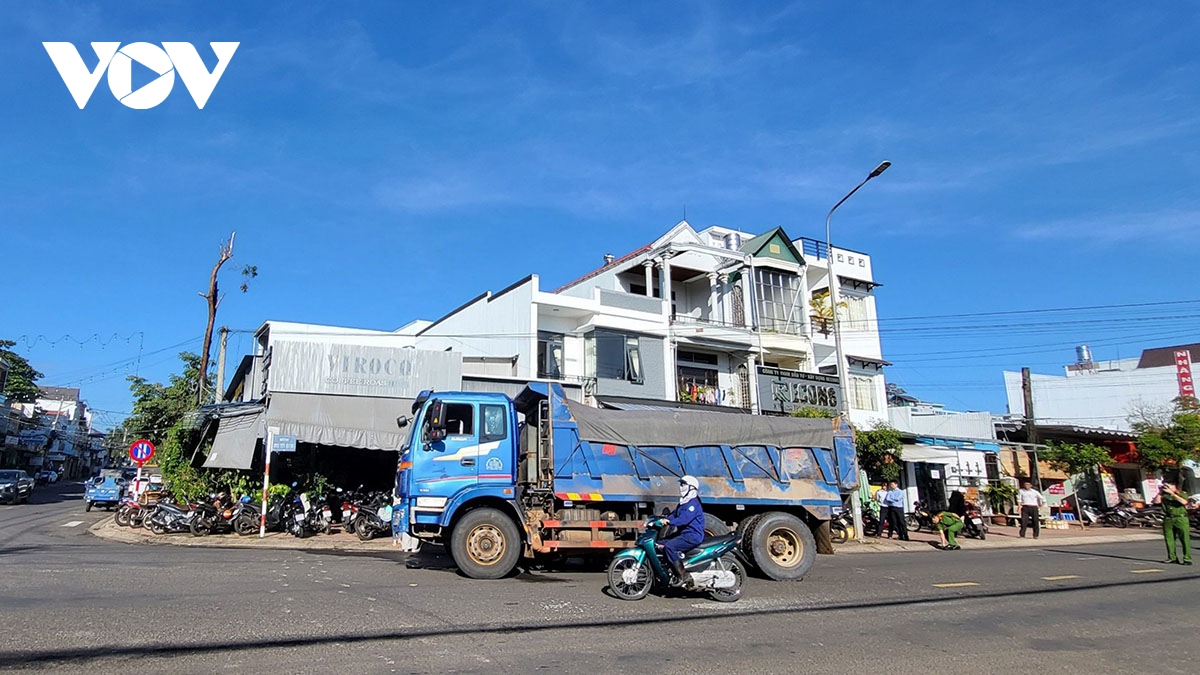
{"x": 485, "y": 544}
{"x": 746, "y": 530}
{"x": 783, "y": 547}
{"x": 714, "y": 526}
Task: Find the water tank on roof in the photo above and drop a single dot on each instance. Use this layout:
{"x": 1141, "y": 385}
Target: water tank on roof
{"x": 733, "y": 241}
{"x": 1083, "y": 354}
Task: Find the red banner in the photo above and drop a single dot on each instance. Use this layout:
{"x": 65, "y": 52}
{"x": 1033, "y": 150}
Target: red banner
{"x": 1183, "y": 370}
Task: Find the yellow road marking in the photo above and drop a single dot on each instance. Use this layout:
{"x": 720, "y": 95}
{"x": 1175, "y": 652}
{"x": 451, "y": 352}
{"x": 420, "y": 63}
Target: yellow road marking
{"x": 957, "y": 584}
{"x": 1145, "y": 571}
{"x": 1061, "y": 577}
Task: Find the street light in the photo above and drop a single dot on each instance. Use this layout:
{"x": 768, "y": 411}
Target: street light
{"x": 843, "y": 407}
{"x": 833, "y": 290}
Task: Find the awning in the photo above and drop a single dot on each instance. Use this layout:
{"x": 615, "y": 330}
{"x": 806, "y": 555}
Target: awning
{"x": 920, "y": 453}
{"x": 238, "y": 432}
{"x": 350, "y": 421}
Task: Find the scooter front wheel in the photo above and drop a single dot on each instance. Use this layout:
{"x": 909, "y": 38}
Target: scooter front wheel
{"x": 734, "y": 592}
{"x": 628, "y": 578}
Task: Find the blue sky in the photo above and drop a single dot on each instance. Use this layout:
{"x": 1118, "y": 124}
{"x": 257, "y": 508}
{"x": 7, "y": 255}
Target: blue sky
{"x": 383, "y": 162}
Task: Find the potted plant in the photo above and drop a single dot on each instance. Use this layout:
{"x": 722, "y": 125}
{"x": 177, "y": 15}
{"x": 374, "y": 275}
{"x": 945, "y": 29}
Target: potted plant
{"x": 999, "y": 497}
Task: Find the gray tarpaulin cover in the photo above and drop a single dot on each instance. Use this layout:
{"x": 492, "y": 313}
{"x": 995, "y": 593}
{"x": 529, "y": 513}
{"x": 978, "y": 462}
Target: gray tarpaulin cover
{"x": 690, "y": 428}
{"x": 237, "y": 432}
{"x": 351, "y": 421}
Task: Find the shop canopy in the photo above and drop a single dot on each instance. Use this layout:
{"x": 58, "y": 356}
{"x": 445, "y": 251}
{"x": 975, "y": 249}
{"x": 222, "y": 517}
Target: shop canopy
{"x": 365, "y": 422}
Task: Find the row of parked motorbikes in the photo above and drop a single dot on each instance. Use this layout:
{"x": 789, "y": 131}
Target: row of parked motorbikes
{"x": 1123, "y": 515}
{"x": 920, "y": 518}
{"x": 366, "y": 514}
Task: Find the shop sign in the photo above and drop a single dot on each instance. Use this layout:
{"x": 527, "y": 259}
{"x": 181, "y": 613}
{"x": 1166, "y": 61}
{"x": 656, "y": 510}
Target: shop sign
{"x": 1057, "y": 489}
{"x": 329, "y": 367}
{"x": 1111, "y": 495}
{"x": 1183, "y": 371}
{"x": 784, "y": 391}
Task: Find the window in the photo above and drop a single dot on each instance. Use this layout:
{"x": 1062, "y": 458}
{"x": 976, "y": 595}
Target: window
{"x": 613, "y": 356}
{"x": 862, "y": 393}
{"x": 495, "y": 423}
{"x": 550, "y": 355}
{"x": 778, "y": 304}
{"x": 856, "y": 312}
{"x": 696, "y": 373}
{"x": 460, "y": 419}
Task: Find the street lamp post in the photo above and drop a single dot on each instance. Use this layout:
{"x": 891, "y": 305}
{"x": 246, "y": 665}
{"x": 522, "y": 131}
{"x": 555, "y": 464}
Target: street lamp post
{"x": 843, "y": 383}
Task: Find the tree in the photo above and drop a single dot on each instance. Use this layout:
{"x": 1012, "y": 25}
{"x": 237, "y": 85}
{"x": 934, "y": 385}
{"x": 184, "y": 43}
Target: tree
{"x": 1073, "y": 459}
{"x": 158, "y": 407}
{"x": 812, "y": 413}
{"x": 823, "y": 311}
{"x": 1166, "y": 444}
{"x": 21, "y": 386}
{"x": 213, "y": 299}
{"x": 879, "y": 451}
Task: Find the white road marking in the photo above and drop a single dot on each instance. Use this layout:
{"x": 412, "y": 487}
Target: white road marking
{"x": 73, "y": 523}
{"x": 957, "y": 584}
{"x": 1145, "y": 571}
{"x": 1061, "y": 577}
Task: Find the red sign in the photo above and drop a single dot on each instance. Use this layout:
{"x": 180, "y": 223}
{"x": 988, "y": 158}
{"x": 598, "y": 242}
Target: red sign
{"x": 1183, "y": 370}
{"x": 141, "y": 451}
{"x": 1057, "y": 489}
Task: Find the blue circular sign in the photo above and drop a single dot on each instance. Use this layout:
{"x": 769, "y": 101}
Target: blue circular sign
{"x": 141, "y": 451}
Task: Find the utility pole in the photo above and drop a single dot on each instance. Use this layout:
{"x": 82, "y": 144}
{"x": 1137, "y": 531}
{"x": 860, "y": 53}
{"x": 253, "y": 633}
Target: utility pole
{"x": 219, "y": 390}
{"x": 1030, "y": 427}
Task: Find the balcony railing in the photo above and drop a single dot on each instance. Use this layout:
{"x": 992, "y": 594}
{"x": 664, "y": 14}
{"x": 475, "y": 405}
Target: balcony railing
{"x": 692, "y": 320}
{"x": 814, "y": 248}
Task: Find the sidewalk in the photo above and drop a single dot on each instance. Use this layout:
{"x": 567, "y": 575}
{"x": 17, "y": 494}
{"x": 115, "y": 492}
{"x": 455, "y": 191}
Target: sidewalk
{"x": 1002, "y": 536}
{"x": 339, "y": 541}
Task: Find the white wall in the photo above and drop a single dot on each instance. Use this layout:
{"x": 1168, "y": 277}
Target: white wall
{"x": 1094, "y": 400}
{"x": 492, "y": 326}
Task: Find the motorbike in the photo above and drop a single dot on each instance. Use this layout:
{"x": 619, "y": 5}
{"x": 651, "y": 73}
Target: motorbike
{"x": 130, "y": 513}
{"x": 842, "y": 527}
{"x": 713, "y": 567}
{"x": 167, "y": 517}
{"x": 373, "y": 516}
{"x": 249, "y": 517}
{"x": 296, "y": 516}
{"x": 919, "y": 518}
{"x": 974, "y": 524}
{"x": 215, "y": 516}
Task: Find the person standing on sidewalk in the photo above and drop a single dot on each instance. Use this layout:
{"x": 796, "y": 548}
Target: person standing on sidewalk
{"x": 1175, "y": 523}
{"x": 893, "y": 511}
{"x": 1031, "y": 502}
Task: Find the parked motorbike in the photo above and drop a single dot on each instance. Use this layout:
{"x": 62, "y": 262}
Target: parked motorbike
{"x": 712, "y": 567}
{"x": 249, "y": 517}
{"x": 373, "y": 516}
{"x": 919, "y": 518}
{"x": 167, "y": 517}
{"x": 130, "y": 513}
{"x": 974, "y": 524}
{"x": 296, "y": 516}
{"x": 215, "y": 516}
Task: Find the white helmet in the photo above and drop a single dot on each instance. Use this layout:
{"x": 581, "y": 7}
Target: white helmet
{"x": 689, "y": 489}
{"x": 690, "y": 480}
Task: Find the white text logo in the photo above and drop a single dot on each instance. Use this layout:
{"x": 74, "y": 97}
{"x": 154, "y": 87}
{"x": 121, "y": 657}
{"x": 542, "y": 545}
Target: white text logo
{"x": 171, "y": 58}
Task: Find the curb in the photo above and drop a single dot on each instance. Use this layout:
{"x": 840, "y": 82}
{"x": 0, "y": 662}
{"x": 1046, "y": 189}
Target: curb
{"x": 854, "y": 548}
{"x": 110, "y": 531}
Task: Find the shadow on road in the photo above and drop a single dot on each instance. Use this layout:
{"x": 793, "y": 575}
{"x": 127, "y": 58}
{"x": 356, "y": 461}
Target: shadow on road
{"x": 1081, "y": 552}
{"x": 79, "y": 655}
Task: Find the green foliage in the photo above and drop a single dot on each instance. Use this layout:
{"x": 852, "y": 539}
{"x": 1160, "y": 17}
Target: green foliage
{"x": 158, "y": 407}
{"x": 879, "y": 452}
{"x": 999, "y": 496}
{"x": 173, "y": 456}
{"x": 1166, "y": 446}
{"x": 812, "y": 413}
{"x": 277, "y": 490}
{"x": 21, "y": 386}
{"x": 1075, "y": 458}
{"x": 248, "y": 272}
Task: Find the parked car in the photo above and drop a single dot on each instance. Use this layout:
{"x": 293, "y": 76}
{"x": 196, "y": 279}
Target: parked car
{"x": 104, "y": 490}
{"x": 46, "y": 476}
{"x": 15, "y": 486}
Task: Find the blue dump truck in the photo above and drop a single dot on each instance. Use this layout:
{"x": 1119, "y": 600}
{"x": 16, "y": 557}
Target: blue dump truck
{"x": 495, "y": 479}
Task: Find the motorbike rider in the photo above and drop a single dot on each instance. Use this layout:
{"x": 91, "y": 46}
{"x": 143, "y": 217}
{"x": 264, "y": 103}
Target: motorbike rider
{"x": 688, "y": 519}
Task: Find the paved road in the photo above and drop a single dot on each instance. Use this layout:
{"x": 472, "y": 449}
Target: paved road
{"x": 70, "y": 601}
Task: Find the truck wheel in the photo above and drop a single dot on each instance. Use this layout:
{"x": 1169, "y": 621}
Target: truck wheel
{"x": 746, "y": 530}
{"x": 485, "y": 544}
{"x": 783, "y": 546}
{"x": 87, "y": 506}
{"x": 714, "y": 526}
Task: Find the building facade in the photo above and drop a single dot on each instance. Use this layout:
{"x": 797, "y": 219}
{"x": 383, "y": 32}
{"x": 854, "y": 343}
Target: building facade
{"x": 715, "y": 318}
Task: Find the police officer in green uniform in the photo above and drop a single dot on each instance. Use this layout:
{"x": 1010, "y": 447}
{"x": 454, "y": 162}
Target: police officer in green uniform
{"x": 948, "y": 525}
{"x": 1175, "y": 523}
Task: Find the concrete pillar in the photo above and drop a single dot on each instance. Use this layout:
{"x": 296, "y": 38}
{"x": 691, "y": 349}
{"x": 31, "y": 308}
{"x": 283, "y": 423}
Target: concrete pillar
{"x": 665, "y": 284}
{"x": 723, "y": 299}
{"x": 714, "y": 313}
{"x": 648, "y": 266}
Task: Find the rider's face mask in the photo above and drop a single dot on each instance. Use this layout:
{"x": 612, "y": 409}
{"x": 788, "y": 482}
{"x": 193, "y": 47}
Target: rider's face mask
{"x": 683, "y": 489}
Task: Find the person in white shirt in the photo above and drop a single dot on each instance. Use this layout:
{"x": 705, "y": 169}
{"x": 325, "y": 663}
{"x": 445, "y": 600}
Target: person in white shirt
{"x": 1031, "y": 502}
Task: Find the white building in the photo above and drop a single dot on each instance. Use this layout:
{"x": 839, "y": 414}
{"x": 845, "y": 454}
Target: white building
{"x": 739, "y": 325}
{"x": 1104, "y": 393}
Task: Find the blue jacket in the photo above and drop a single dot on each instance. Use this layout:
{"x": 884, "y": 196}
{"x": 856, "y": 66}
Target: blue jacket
{"x": 688, "y": 518}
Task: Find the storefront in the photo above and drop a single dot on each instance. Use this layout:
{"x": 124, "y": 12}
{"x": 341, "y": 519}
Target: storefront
{"x": 935, "y": 468}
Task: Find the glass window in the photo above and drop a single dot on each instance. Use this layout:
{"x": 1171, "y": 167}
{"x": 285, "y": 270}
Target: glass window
{"x": 460, "y": 419}
{"x": 495, "y": 423}
{"x": 778, "y": 301}
{"x": 862, "y": 393}
{"x": 633, "y": 361}
{"x": 856, "y": 312}
{"x": 550, "y": 355}
{"x": 616, "y": 356}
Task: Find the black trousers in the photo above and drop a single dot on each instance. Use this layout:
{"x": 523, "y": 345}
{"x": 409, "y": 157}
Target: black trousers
{"x": 895, "y": 520}
{"x": 1031, "y": 514}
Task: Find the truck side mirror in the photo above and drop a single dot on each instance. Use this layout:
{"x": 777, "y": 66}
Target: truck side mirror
{"x": 402, "y": 421}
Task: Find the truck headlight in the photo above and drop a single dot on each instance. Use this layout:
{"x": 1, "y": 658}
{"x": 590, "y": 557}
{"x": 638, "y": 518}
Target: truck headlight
{"x": 431, "y": 502}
